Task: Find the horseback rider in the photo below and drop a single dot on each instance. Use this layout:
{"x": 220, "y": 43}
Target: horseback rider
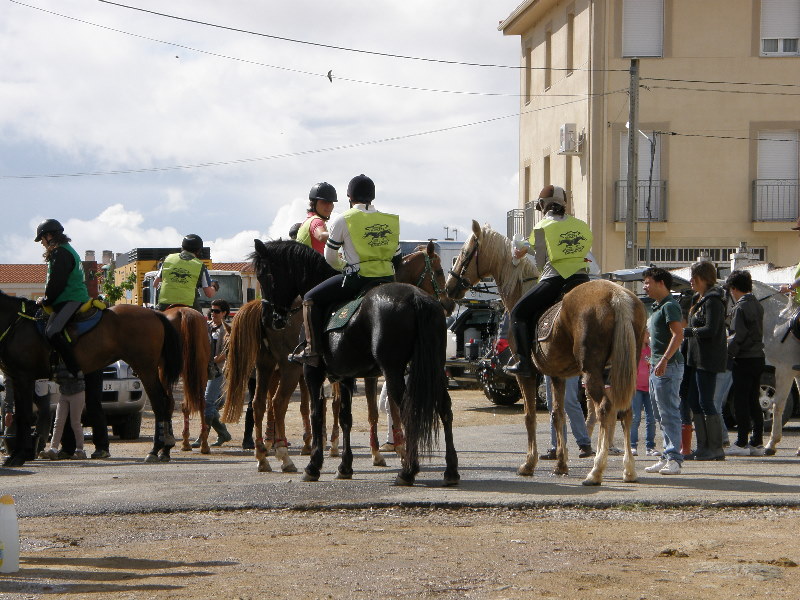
{"x": 314, "y": 232}
{"x": 560, "y": 244}
{"x": 65, "y": 288}
{"x": 181, "y": 274}
{"x": 370, "y": 243}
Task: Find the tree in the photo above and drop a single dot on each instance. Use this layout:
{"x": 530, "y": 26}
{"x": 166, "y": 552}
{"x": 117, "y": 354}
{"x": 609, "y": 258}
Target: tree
{"x": 112, "y": 292}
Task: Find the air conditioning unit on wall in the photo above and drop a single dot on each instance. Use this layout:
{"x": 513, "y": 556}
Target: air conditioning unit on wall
{"x": 569, "y": 140}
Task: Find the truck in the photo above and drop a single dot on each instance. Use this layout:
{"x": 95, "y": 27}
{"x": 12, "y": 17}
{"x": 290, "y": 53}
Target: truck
{"x": 232, "y": 288}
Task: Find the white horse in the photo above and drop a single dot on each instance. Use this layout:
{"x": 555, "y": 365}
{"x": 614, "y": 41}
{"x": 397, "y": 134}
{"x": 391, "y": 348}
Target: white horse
{"x": 781, "y": 353}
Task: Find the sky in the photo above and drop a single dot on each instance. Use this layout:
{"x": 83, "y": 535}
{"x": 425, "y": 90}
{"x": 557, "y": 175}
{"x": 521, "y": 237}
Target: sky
{"x": 134, "y": 129}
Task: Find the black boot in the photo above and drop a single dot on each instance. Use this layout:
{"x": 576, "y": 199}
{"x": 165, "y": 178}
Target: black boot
{"x": 700, "y": 435}
{"x": 222, "y": 432}
{"x": 307, "y": 352}
{"x": 523, "y": 366}
{"x": 713, "y": 449}
{"x": 64, "y": 348}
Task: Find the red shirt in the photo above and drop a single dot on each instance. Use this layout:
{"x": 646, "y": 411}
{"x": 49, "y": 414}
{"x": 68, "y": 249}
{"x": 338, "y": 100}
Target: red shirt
{"x": 643, "y": 373}
{"x": 316, "y": 223}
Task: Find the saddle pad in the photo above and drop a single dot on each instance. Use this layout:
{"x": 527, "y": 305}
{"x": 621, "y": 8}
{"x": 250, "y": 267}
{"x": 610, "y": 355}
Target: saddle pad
{"x": 76, "y": 328}
{"x": 342, "y": 314}
{"x": 545, "y": 326}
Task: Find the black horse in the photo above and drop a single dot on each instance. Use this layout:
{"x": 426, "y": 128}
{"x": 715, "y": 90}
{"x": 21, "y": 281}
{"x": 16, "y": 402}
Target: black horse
{"x": 141, "y": 337}
{"x": 397, "y": 324}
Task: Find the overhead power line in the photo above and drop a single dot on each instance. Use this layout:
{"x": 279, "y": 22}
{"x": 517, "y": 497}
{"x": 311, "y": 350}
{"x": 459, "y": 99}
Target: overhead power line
{"x": 288, "y": 154}
{"x": 758, "y": 83}
{"x": 342, "y": 48}
{"x": 723, "y": 137}
{"x": 692, "y": 89}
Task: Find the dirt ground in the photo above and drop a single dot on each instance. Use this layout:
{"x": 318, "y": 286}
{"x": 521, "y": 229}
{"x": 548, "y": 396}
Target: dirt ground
{"x": 637, "y": 552}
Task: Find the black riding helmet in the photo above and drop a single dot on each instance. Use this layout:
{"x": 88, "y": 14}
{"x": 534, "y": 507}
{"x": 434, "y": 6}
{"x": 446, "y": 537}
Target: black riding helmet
{"x": 323, "y": 191}
{"x": 48, "y": 226}
{"x": 192, "y": 243}
{"x": 361, "y": 189}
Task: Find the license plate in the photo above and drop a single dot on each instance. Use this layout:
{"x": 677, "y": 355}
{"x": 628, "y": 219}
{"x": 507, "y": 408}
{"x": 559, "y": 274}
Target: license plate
{"x": 107, "y": 386}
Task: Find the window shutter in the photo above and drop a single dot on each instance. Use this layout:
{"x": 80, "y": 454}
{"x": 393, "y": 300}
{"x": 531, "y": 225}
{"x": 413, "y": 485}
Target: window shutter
{"x": 777, "y": 159}
{"x": 644, "y": 158}
{"x": 780, "y": 19}
{"x": 642, "y": 28}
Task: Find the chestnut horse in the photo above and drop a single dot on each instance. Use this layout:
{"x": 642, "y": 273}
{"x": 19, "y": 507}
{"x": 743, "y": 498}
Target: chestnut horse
{"x": 599, "y": 323}
{"x": 253, "y": 345}
{"x": 193, "y": 330}
{"x": 140, "y": 336}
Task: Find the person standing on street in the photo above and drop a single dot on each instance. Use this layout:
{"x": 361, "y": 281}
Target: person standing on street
{"x": 665, "y": 326}
{"x": 746, "y": 350}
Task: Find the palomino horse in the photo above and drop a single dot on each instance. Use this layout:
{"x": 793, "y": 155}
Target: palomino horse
{"x": 782, "y": 352}
{"x": 396, "y": 324}
{"x": 141, "y": 337}
{"x": 191, "y": 326}
{"x": 599, "y": 323}
{"x": 250, "y": 345}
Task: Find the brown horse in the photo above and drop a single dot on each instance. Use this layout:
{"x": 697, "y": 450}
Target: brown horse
{"x": 141, "y": 337}
{"x": 191, "y": 326}
{"x": 251, "y": 345}
{"x": 599, "y": 323}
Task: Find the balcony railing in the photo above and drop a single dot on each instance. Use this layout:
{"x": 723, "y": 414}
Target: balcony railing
{"x": 520, "y": 220}
{"x": 658, "y": 201}
{"x": 775, "y": 199}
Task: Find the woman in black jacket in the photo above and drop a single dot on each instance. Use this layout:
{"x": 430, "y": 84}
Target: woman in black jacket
{"x": 706, "y": 356}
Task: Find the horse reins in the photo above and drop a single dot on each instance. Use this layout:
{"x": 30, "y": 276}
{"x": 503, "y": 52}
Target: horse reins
{"x": 428, "y": 270}
{"x": 462, "y": 282}
{"x": 21, "y": 314}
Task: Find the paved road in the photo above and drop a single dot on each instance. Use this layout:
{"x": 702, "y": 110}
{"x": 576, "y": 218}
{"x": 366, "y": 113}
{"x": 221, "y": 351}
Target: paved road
{"x": 488, "y": 457}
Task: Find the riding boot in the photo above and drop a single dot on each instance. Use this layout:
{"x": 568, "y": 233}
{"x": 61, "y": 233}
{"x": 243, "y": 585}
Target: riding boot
{"x": 686, "y": 440}
{"x": 249, "y": 422}
{"x": 713, "y": 449}
{"x": 308, "y": 353}
{"x": 222, "y": 432}
{"x": 700, "y": 434}
{"x": 524, "y": 365}
{"x": 64, "y": 349}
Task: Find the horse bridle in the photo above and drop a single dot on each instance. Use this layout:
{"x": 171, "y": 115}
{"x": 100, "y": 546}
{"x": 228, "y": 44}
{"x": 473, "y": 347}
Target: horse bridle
{"x": 429, "y": 270}
{"x": 462, "y": 283}
{"x": 21, "y": 314}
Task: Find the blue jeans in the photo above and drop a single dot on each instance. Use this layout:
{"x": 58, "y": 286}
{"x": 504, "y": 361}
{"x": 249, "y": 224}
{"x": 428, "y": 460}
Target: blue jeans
{"x": 724, "y": 384}
{"x": 701, "y": 391}
{"x": 665, "y": 390}
{"x": 214, "y": 397}
{"x": 641, "y": 400}
{"x": 573, "y": 409}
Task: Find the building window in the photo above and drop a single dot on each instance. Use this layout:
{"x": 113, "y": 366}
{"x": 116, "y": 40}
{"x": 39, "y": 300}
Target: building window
{"x": 642, "y": 28}
{"x": 528, "y": 73}
{"x": 526, "y": 186}
{"x": 775, "y": 192}
{"x": 780, "y": 27}
{"x": 546, "y": 171}
{"x": 548, "y": 59}
{"x": 570, "y": 43}
{"x": 652, "y": 191}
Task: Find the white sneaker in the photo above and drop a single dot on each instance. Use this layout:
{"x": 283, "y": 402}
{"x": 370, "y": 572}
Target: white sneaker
{"x": 672, "y": 468}
{"x": 653, "y": 452}
{"x": 634, "y": 451}
{"x": 736, "y": 450}
{"x": 656, "y": 468}
{"x": 757, "y": 451}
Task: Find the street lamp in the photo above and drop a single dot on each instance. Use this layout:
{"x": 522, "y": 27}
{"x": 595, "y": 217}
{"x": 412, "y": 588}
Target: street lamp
{"x": 652, "y": 141}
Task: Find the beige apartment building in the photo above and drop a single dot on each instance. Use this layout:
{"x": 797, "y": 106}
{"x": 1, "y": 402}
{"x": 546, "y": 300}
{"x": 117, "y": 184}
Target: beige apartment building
{"x": 719, "y": 81}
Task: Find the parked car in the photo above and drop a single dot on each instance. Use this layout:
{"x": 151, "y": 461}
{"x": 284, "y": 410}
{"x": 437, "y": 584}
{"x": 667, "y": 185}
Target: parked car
{"x": 682, "y": 290}
{"x": 123, "y": 399}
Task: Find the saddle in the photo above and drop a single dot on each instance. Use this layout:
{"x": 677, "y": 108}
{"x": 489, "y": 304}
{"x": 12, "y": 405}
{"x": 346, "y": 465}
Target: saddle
{"x": 342, "y": 313}
{"x": 544, "y": 328}
{"x": 83, "y": 321}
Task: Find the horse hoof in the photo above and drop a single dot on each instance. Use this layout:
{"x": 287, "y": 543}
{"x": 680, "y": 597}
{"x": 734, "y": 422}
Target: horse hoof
{"x": 633, "y": 479}
{"x": 589, "y": 482}
{"x": 205, "y": 450}
{"x": 263, "y": 467}
{"x": 451, "y": 480}
{"x": 164, "y": 458}
{"x": 151, "y": 458}
{"x": 308, "y": 477}
{"x": 186, "y": 447}
{"x": 379, "y": 461}
{"x": 525, "y": 471}
{"x": 340, "y": 475}
{"x": 401, "y": 480}
{"x": 769, "y": 451}
{"x": 289, "y": 469}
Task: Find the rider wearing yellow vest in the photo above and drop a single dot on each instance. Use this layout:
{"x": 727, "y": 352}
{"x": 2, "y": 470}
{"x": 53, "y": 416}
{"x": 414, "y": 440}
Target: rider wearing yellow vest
{"x": 313, "y": 231}
{"x": 181, "y": 274}
{"x": 370, "y": 244}
{"x": 65, "y": 289}
{"x": 560, "y": 244}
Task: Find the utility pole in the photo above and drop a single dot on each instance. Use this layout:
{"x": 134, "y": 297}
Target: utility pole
{"x": 631, "y": 258}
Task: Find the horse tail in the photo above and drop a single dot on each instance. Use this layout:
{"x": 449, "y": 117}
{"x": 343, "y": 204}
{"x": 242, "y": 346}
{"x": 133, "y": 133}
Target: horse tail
{"x": 171, "y": 353}
{"x": 426, "y": 380}
{"x": 244, "y": 342}
{"x": 624, "y": 355}
{"x": 194, "y": 335}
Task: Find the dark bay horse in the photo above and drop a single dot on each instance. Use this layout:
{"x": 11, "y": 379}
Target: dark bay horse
{"x": 252, "y": 345}
{"x": 397, "y": 324}
{"x": 193, "y": 330}
{"x": 140, "y": 336}
{"x": 600, "y": 323}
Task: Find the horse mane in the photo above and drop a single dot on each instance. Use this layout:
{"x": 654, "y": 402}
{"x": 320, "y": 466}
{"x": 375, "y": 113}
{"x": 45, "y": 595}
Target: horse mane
{"x": 309, "y": 262}
{"x": 30, "y": 305}
{"x": 497, "y": 249}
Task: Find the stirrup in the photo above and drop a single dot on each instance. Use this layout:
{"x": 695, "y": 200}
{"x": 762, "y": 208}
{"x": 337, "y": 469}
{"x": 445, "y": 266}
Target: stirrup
{"x": 303, "y": 358}
{"x": 519, "y": 369}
